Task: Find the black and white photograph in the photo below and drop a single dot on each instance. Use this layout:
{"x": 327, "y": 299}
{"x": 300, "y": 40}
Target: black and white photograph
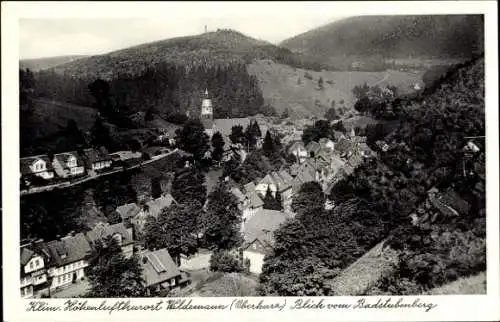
{"x": 312, "y": 154}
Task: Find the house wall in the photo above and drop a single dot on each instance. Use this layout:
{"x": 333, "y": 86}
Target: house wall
{"x": 101, "y": 165}
{"x": 256, "y": 260}
{"x": 128, "y": 250}
{"x": 262, "y": 189}
{"x": 62, "y": 276}
{"x": 34, "y": 264}
{"x": 27, "y": 292}
{"x": 59, "y": 169}
{"x": 76, "y": 170}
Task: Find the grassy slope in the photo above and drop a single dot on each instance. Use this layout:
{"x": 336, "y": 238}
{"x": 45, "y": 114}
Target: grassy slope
{"x": 229, "y": 284}
{"x": 467, "y": 285}
{"x": 52, "y": 116}
{"x": 280, "y": 88}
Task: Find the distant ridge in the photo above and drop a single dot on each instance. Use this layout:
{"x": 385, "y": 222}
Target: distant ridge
{"x": 36, "y": 64}
{"x": 394, "y": 36}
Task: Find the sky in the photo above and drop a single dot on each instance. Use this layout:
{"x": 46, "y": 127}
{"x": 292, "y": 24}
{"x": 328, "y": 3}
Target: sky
{"x": 90, "y": 35}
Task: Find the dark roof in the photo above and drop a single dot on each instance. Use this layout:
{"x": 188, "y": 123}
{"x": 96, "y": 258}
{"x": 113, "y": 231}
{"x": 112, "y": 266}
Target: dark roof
{"x": 157, "y": 205}
{"x": 128, "y": 210}
{"x": 28, "y": 161}
{"x": 95, "y": 155}
{"x": 62, "y": 158}
{"x": 262, "y": 225}
{"x": 26, "y": 255}
{"x": 67, "y": 250}
{"x": 102, "y": 230}
{"x": 159, "y": 267}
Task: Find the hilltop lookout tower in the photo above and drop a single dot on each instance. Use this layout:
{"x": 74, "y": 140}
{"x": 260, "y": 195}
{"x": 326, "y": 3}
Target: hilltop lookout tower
{"x": 207, "y": 113}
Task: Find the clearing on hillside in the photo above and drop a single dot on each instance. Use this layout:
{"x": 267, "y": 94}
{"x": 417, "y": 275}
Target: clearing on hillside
{"x": 297, "y": 89}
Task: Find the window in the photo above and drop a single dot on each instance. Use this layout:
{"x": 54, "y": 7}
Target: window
{"x": 59, "y": 279}
{"x": 31, "y": 265}
{"x": 37, "y": 262}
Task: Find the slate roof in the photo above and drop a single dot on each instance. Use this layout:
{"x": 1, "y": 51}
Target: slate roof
{"x": 101, "y": 231}
{"x": 306, "y": 173}
{"x": 128, "y": 210}
{"x": 262, "y": 225}
{"x": 254, "y": 200}
{"x": 26, "y": 255}
{"x": 74, "y": 247}
{"x": 158, "y": 268}
{"x": 25, "y": 163}
{"x": 62, "y": 158}
{"x": 91, "y": 156}
{"x": 157, "y": 205}
{"x": 343, "y": 146}
{"x": 249, "y": 187}
{"x": 224, "y": 125}
{"x": 296, "y": 145}
{"x": 282, "y": 180}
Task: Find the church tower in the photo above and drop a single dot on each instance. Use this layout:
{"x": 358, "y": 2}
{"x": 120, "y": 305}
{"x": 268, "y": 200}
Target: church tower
{"x": 207, "y": 114}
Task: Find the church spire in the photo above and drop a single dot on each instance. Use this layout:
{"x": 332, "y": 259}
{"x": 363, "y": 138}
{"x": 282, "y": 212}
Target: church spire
{"x": 206, "y": 92}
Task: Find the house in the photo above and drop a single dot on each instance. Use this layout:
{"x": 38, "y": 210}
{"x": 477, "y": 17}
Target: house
{"x": 68, "y": 164}
{"x": 312, "y": 148}
{"x": 128, "y": 211}
{"x": 298, "y": 150}
{"x": 33, "y": 272}
{"x": 151, "y": 208}
{"x": 39, "y": 166}
{"x": 249, "y": 202}
{"x": 258, "y": 237}
{"x": 355, "y": 160}
{"x": 449, "y": 204}
{"x": 276, "y": 182}
{"x": 96, "y": 159}
{"x": 159, "y": 270}
{"x": 66, "y": 259}
{"x": 343, "y": 147}
{"x": 305, "y": 173}
{"x": 125, "y": 155}
{"x": 326, "y": 143}
{"x": 122, "y": 235}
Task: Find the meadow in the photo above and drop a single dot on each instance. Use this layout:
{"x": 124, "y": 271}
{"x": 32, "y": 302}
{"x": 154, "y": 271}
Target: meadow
{"x": 297, "y": 89}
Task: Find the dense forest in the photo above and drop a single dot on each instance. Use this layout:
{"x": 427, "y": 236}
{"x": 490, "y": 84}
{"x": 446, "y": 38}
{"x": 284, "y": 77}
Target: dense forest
{"x": 376, "y": 201}
{"x": 165, "y": 88}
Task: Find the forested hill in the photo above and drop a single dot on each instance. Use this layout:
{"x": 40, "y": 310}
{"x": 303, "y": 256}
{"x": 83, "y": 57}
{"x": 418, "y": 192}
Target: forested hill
{"x": 395, "y": 36}
{"x": 219, "y": 48}
{"x": 376, "y": 201}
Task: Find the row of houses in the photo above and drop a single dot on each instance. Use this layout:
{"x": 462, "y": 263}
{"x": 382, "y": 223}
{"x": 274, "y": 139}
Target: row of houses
{"x": 48, "y": 267}
{"x": 65, "y": 165}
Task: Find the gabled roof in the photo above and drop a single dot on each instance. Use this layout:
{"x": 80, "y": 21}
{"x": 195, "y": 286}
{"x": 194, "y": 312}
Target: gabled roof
{"x": 224, "y": 126}
{"x": 157, "y": 205}
{"x": 262, "y": 225}
{"x": 287, "y": 178}
{"x": 128, "y": 210}
{"x": 313, "y": 147}
{"x": 91, "y": 155}
{"x": 254, "y": 200}
{"x": 28, "y": 161}
{"x": 238, "y": 194}
{"x": 26, "y": 255}
{"x": 75, "y": 248}
{"x": 249, "y": 187}
{"x": 62, "y": 158}
{"x": 101, "y": 231}
{"x": 294, "y": 168}
{"x": 296, "y": 145}
{"x": 343, "y": 146}
{"x": 158, "y": 267}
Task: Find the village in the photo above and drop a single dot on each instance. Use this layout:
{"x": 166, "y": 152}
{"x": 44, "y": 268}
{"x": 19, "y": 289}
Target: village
{"x": 56, "y": 268}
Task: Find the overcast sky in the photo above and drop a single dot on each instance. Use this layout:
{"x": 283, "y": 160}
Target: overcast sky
{"x": 56, "y": 36}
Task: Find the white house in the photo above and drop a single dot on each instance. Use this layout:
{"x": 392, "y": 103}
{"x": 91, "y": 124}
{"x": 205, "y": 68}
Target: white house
{"x": 39, "y": 166}
{"x": 66, "y": 260}
{"x": 298, "y": 150}
{"x": 249, "y": 203}
{"x": 258, "y": 237}
{"x": 33, "y": 272}
{"x": 68, "y": 164}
